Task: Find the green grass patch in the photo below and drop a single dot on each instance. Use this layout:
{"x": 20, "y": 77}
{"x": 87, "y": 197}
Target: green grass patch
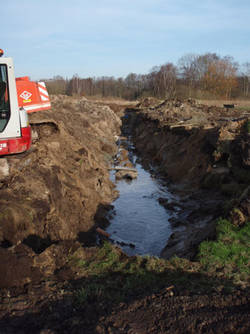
{"x": 109, "y": 276}
{"x": 243, "y": 108}
{"x": 230, "y": 253}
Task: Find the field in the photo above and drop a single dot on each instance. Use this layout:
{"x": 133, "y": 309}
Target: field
{"x": 242, "y": 105}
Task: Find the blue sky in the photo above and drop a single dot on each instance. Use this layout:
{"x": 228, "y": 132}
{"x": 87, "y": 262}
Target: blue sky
{"x": 117, "y": 37}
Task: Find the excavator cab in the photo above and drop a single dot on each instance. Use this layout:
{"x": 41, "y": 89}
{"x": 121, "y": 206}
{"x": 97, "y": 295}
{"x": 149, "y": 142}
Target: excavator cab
{"x": 18, "y": 97}
{"x": 4, "y": 98}
{"x": 15, "y": 132}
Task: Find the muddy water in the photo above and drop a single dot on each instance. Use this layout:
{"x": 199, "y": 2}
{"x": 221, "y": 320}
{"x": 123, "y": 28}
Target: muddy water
{"x": 140, "y": 225}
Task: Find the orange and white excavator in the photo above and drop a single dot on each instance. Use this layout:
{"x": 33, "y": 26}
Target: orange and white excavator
{"x": 18, "y": 97}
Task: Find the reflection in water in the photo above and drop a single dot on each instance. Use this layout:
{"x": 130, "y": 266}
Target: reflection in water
{"x": 139, "y": 219}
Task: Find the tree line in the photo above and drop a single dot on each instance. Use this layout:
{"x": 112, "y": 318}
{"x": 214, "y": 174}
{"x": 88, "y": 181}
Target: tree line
{"x": 196, "y": 76}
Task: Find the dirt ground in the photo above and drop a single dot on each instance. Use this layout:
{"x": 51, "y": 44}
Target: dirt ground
{"x": 174, "y": 308}
{"x": 158, "y": 314}
{"x": 54, "y": 196}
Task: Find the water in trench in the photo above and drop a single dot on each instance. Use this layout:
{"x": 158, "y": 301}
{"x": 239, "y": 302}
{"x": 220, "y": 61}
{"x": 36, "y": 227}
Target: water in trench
{"x": 140, "y": 225}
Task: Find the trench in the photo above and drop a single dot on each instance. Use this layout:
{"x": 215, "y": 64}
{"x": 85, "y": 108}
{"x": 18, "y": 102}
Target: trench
{"x": 140, "y": 224}
{"x": 151, "y": 216}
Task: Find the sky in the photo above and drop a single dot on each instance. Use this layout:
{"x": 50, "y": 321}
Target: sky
{"x": 94, "y": 38}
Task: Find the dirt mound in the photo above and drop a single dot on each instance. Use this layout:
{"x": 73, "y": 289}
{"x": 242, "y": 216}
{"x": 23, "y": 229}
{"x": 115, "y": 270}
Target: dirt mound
{"x": 187, "y": 138}
{"x": 52, "y": 192}
{"x": 148, "y": 102}
{"x": 189, "y": 112}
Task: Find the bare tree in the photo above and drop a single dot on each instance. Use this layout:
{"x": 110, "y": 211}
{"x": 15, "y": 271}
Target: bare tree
{"x": 163, "y": 80}
{"x": 246, "y": 78}
{"x": 188, "y": 70}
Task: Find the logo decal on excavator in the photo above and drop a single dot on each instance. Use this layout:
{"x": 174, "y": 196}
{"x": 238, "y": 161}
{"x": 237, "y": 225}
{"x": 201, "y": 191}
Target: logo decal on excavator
{"x": 26, "y": 96}
{"x": 4, "y": 145}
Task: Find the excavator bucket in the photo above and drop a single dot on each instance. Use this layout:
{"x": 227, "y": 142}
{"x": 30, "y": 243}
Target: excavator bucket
{"x": 32, "y": 96}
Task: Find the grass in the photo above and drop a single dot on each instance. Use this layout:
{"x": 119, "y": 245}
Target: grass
{"x": 110, "y": 277}
{"x": 230, "y": 253}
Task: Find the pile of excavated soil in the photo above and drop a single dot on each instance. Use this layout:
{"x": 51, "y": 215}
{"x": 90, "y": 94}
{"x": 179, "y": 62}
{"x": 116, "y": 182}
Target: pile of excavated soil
{"x": 188, "y": 111}
{"x": 52, "y": 192}
{"x": 192, "y": 143}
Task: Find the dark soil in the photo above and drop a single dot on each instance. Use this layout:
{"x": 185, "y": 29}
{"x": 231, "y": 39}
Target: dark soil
{"x": 51, "y": 308}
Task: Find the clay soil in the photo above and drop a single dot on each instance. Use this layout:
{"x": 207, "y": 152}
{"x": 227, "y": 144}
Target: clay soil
{"x": 54, "y": 196}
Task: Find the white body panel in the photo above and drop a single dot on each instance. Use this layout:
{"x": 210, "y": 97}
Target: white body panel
{"x": 12, "y": 129}
{"x": 24, "y": 121}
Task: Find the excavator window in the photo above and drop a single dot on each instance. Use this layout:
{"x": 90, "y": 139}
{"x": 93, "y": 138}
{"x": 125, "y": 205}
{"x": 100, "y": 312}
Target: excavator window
{"x": 4, "y": 98}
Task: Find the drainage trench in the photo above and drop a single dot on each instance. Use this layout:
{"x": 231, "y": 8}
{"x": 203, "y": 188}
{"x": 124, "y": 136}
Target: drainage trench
{"x": 150, "y": 217}
{"x": 140, "y": 224}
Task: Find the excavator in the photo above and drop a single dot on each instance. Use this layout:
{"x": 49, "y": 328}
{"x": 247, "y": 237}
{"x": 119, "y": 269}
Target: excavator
{"x": 18, "y": 97}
